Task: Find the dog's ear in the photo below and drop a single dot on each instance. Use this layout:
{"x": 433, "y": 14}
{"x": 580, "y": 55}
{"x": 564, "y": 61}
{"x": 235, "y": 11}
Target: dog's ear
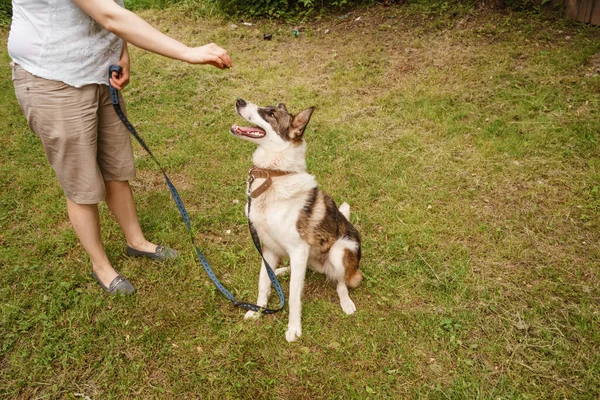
{"x": 299, "y": 122}
{"x": 282, "y": 106}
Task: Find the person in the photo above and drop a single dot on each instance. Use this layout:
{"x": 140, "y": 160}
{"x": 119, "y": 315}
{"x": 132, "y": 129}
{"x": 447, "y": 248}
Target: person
{"x": 61, "y": 51}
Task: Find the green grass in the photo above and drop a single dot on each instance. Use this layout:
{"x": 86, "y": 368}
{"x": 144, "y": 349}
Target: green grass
{"x": 468, "y": 150}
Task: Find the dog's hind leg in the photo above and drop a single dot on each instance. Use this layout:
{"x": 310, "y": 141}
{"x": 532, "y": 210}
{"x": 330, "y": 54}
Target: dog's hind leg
{"x": 264, "y": 283}
{"x": 298, "y": 264}
{"x": 346, "y": 302}
{"x": 316, "y": 264}
{"x": 336, "y": 270}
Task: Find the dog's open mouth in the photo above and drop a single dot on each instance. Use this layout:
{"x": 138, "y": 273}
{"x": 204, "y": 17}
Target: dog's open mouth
{"x": 249, "y": 131}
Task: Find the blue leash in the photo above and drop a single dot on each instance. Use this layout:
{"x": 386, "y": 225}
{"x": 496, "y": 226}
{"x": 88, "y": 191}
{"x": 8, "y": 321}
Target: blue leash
{"x": 247, "y": 306}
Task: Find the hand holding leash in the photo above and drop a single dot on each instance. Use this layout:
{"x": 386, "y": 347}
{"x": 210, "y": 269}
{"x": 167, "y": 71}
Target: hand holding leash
{"x": 118, "y": 77}
{"x": 114, "y": 71}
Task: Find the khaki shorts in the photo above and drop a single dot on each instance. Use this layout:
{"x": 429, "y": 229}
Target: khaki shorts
{"x": 85, "y": 141}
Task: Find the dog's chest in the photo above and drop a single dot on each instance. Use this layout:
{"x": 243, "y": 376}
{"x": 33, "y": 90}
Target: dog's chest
{"x": 275, "y": 222}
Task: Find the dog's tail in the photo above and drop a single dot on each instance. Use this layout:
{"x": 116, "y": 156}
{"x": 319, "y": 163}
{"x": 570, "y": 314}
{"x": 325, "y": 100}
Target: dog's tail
{"x": 345, "y": 210}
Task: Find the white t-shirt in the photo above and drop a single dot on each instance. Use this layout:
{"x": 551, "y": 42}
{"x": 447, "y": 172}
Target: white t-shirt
{"x": 55, "y": 40}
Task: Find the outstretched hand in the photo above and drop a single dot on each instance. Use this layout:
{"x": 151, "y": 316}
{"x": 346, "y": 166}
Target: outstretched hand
{"x": 208, "y": 54}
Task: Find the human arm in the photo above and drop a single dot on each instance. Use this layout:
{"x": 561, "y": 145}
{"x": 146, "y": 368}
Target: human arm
{"x": 133, "y": 29}
{"x": 119, "y": 82}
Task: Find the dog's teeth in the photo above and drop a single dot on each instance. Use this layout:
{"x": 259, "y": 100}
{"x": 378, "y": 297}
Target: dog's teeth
{"x": 251, "y": 132}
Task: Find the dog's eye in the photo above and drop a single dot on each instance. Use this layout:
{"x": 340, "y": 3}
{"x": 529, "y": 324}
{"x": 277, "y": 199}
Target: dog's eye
{"x": 272, "y": 114}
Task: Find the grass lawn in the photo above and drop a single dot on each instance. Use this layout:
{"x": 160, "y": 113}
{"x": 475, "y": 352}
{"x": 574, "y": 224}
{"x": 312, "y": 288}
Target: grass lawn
{"x": 467, "y": 146}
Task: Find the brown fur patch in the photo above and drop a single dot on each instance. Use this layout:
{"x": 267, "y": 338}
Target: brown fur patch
{"x": 320, "y": 224}
{"x": 279, "y": 119}
{"x": 288, "y": 127}
{"x": 353, "y": 277}
{"x": 310, "y": 222}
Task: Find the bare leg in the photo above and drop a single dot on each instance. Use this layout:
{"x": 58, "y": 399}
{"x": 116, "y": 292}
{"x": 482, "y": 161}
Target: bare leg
{"x": 119, "y": 199}
{"x": 86, "y": 223}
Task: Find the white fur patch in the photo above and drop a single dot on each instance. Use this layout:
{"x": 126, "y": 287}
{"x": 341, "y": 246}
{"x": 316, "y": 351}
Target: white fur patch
{"x": 345, "y": 210}
{"x": 334, "y": 268}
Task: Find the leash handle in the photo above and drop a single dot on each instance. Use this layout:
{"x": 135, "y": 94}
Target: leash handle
{"x": 184, "y": 214}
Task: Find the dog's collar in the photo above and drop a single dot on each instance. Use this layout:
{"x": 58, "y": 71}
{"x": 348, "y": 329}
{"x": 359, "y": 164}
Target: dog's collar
{"x": 267, "y": 174}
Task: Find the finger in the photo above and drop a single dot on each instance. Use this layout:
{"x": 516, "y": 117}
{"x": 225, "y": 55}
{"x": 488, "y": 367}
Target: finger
{"x": 217, "y": 62}
{"x": 123, "y": 75}
{"x": 115, "y": 82}
{"x": 222, "y": 64}
{"x": 115, "y": 85}
{"x": 225, "y": 63}
{"x": 120, "y": 83}
{"x": 225, "y": 59}
{"x": 121, "y": 80}
{"x": 222, "y": 54}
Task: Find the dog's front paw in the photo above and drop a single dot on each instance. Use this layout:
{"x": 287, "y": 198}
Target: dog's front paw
{"x": 293, "y": 333}
{"x": 348, "y": 306}
{"x": 252, "y": 315}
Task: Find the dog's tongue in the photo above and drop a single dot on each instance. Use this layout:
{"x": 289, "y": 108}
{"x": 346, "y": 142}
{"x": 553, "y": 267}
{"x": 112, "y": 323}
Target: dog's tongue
{"x": 248, "y": 130}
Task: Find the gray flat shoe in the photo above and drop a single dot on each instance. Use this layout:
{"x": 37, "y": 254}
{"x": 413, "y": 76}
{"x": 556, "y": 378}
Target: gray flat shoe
{"x": 161, "y": 253}
{"x": 118, "y": 285}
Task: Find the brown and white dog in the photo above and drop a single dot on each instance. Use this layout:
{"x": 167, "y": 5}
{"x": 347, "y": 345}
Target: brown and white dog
{"x": 291, "y": 215}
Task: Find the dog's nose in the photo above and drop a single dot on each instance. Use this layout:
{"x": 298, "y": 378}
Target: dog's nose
{"x": 240, "y": 103}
